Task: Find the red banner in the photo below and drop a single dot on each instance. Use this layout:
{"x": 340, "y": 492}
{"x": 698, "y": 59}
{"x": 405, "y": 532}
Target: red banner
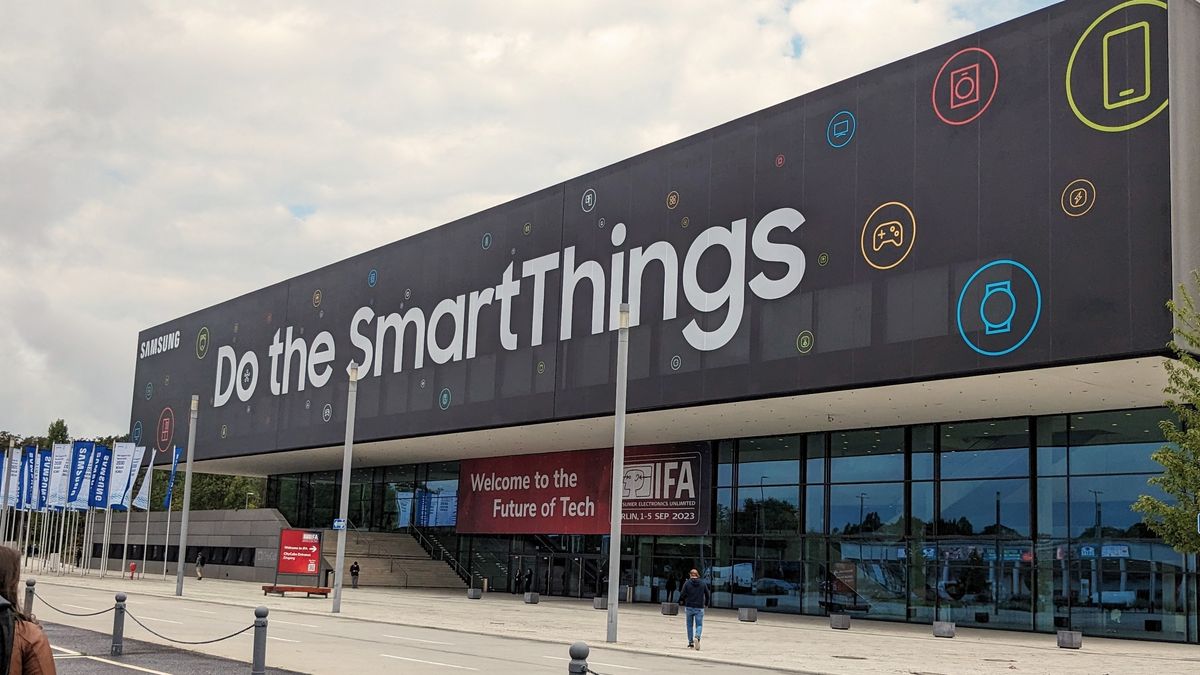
{"x": 553, "y": 493}
{"x": 665, "y": 491}
{"x": 299, "y": 552}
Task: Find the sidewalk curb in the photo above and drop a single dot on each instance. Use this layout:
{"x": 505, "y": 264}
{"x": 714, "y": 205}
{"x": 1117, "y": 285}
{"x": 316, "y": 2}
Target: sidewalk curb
{"x": 54, "y": 581}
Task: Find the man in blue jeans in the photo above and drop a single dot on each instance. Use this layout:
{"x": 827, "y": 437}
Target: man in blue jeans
{"x": 694, "y": 597}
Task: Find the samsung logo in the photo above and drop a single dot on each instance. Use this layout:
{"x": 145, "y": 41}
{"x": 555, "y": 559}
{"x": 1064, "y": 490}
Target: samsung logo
{"x": 159, "y": 344}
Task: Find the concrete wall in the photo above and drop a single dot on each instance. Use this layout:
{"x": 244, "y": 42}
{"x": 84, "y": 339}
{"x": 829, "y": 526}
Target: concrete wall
{"x": 246, "y": 528}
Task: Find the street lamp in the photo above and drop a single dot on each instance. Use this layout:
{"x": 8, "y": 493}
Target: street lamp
{"x": 1098, "y": 579}
{"x": 862, "y": 496}
{"x": 248, "y": 496}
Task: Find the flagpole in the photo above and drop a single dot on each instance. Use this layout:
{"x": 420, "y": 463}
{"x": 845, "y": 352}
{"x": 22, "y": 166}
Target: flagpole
{"x": 167, "y": 541}
{"x": 4, "y": 518}
{"x": 149, "y": 507}
{"x": 107, "y": 531}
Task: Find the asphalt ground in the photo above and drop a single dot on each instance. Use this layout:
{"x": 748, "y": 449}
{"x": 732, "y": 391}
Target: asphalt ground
{"x": 78, "y": 651}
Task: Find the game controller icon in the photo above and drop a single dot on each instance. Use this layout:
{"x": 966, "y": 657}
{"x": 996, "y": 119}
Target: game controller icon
{"x": 891, "y": 232}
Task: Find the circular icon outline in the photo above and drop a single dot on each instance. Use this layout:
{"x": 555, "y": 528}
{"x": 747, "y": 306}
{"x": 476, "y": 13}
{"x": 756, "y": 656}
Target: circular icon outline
{"x": 445, "y": 397}
{"x": 1037, "y": 314}
{"x": 584, "y": 199}
{"x": 159, "y": 443}
{"x": 673, "y": 196}
{"x": 327, "y": 412}
{"x": 149, "y": 390}
{"x": 912, "y": 239}
{"x": 202, "y": 340}
{"x": 676, "y": 362}
{"x": 812, "y": 341}
{"x": 822, "y": 259}
{"x": 849, "y": 136}
{"x": 1077, "y": 184}
{"x": 486, "y": 241}
{"x": 1071, "y": 66}
{"x": 991, "y": 97}
{"x": 136, "y": 434}
{"x": 372, "y": 277}
{"x": 316, "y": 298}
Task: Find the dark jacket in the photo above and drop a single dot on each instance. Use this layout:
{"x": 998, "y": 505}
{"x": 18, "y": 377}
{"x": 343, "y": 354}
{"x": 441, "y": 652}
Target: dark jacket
{"x": 694, "y": 594}
{"x": 354, "y": 570}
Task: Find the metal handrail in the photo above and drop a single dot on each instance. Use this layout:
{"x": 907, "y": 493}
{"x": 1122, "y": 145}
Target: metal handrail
{"x": 392, "y": 568}
{"x": 443, "y": 554}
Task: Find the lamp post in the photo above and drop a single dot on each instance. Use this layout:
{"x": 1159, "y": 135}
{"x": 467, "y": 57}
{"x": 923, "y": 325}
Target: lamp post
{"x": 996, "y": 567}
{"x": 618, "y": 473}
{"x": 862, "y": 496}
{"x": 1098, "y": 579}
{"x": 347, "y": 456}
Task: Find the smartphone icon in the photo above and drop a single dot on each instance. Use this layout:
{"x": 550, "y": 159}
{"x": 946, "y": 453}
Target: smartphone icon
{"x": 1128, "y": 46}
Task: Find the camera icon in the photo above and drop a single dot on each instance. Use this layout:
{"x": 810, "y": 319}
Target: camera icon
{"x": 964, "y": 86}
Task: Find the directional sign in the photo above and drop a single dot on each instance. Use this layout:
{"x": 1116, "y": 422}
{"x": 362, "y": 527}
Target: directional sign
{"x": 339, "y": 523}
{"x": 299, "y": 552}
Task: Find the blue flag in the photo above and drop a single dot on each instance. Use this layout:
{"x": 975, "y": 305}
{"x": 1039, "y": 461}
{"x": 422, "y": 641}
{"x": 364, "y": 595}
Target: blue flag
{"x": 28, "y": 476}
{"x": 45, "y": 458}
{"x": 81, "y": 456}
{"x": 171, "y": 479}
{"x": 98, "y": 496}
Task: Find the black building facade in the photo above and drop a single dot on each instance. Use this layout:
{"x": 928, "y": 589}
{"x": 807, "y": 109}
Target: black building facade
{"x": 915, "y": 319}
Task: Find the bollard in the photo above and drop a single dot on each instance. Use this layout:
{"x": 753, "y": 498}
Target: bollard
{"x": 749, "y": 614}
{"x": 670, "y": 609}
{"x": 118, "y": 634}
{"x": 1070, "y": 639}
{"x": 532, "y": 598}
{"x": 599, "y": 603}
{"x": 474, "y": 593}
{"x": 29, "y": 584}
{"x": 839, "y": 621}
{"x": 259, "y": 665}
{"x": 579, "y": 653}
{"x": 943, "y": 629}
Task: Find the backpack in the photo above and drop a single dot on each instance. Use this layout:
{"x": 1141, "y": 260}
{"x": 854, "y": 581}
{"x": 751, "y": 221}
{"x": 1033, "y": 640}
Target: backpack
{"x": 8, "y": 627}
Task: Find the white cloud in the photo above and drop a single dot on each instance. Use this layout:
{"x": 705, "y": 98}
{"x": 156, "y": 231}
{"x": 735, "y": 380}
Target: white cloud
{"x": 149, "y": 151}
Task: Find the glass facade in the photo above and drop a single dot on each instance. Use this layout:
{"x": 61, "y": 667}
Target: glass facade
{"x": 1021, "y": 523}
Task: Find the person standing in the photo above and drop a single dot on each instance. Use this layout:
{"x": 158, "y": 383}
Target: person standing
{"x": 28, "y": 649}
{"x": 354, "y": 575}
{"x": 671, "y": 586}
{"x": 528, "y": 579}
{"x": 694, "y": 597}
{"x": 200, "y": 565}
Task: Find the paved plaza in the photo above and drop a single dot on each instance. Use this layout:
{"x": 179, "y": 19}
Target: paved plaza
{"x": 436, "y": 631}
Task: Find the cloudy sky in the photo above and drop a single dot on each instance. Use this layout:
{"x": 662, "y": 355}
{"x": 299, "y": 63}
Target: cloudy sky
{"x": 158, "y": 158}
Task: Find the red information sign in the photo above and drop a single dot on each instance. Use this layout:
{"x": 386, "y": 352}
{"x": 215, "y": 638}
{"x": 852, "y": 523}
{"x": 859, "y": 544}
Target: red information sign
{"x": 299, "y": 552}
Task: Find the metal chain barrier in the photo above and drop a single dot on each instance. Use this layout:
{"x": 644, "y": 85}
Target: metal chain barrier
{"x": 185, "y": 642}
{"x": 63, "y": 611}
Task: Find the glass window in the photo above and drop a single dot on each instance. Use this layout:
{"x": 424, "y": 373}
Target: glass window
{"x": 985, "y": 449}
{"x": 985, "y": 507}
{"x": 873, "y": 508}
{"x": 867, "y": 577}
{"x": 1052, "y": 508}
{"x": 768, "y": 510}
{"x": 772, "y": 460}
{"x": 873, "y": 454}
{"x": 1100, "y": 506}
{"x": 814, "y": 452}
{"x": 814, "y": 509}
{"x": 1052, "y": 446}
{"x": 724, "y": 510}
{"x": 922, "y": 452}
{"x": 1116, "y": 442}
{"x": 922, "y": 509}
{"x": 725, "y": 464}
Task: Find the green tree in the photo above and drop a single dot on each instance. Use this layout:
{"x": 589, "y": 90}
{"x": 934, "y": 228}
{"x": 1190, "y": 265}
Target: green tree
{"x": 1175, "y": 521}
{"x": 58, "y": 432}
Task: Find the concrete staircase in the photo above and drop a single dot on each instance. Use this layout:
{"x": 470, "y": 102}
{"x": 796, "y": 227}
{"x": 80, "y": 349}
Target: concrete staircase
{"x": 390, "y": 559}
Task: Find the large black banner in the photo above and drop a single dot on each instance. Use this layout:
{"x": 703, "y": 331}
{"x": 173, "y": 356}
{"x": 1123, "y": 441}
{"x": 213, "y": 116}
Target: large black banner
{"x": 1000, "y": 202}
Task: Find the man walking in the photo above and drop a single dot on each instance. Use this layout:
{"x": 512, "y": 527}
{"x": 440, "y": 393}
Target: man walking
{"x": 354, "y": 575}
{"x": 200, "y": 565}
{"x": 694, "y": 597}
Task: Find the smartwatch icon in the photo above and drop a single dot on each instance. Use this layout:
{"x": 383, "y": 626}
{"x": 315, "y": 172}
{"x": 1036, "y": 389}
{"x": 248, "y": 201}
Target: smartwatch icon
{"x": 998, "y": 288}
